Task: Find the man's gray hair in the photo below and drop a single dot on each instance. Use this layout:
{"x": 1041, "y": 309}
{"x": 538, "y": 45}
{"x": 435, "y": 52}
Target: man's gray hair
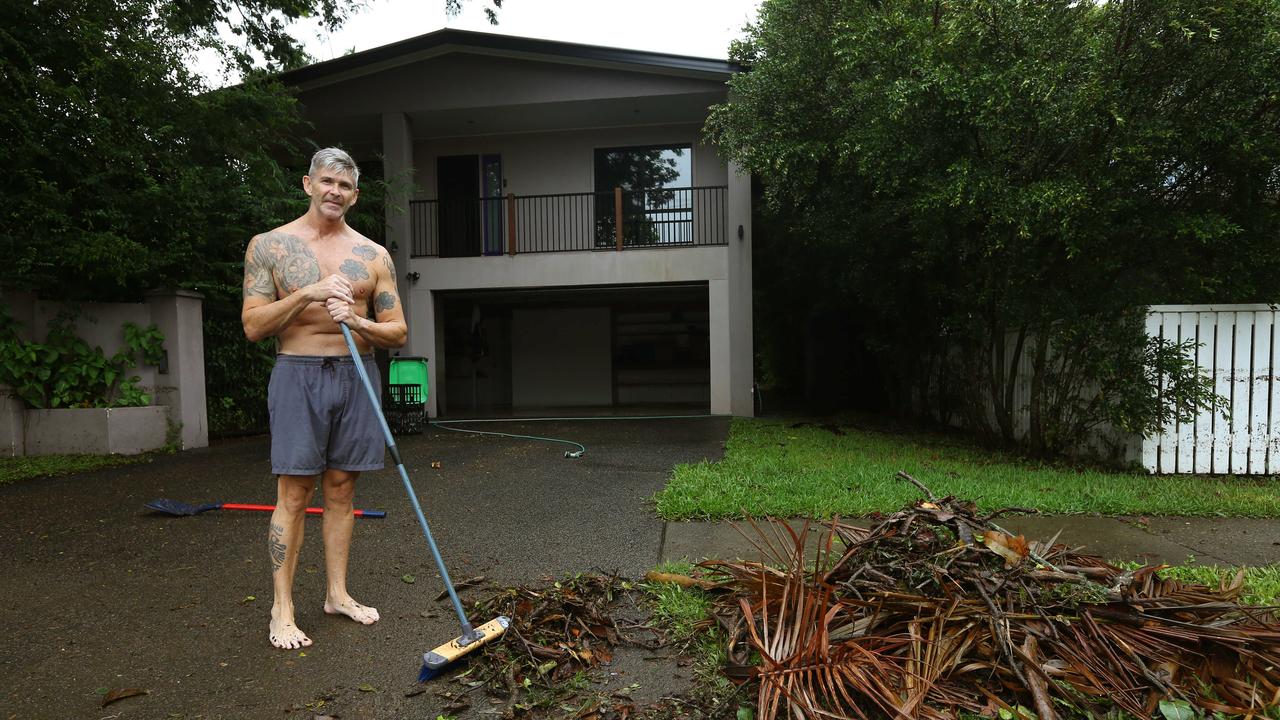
{"x": 332, "y": 158}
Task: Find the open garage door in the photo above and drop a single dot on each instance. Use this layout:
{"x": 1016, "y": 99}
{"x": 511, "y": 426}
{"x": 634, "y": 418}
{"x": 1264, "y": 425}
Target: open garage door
{"x": 563, "y": 351}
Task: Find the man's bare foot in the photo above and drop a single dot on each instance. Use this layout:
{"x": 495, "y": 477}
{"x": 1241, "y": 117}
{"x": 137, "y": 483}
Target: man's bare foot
{"x": 286, "y": 636}
{"x": 360, "y": 613}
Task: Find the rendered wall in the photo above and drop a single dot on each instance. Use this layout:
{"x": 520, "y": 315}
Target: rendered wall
{"x": 177, "y": 387}
{"x": 562, "y": 162}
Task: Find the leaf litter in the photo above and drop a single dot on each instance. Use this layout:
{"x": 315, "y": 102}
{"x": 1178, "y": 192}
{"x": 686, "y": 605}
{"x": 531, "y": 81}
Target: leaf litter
{"x": 558, "y": 655}
{"x": 933, "y": 612}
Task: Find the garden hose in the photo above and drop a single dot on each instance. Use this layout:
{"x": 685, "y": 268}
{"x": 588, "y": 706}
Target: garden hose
{"x": 444, "y": 425}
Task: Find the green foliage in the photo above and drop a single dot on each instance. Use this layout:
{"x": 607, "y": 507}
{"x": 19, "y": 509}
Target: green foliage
{"x": 236, "y": 370}
{"x": 124, "y": 171}
{"x": 64, "y": 372}
{"x": 1103, "y": 371}
{"x": 971, "y": 176}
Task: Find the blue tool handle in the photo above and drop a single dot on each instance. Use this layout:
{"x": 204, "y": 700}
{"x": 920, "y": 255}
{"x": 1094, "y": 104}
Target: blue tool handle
{"x": 404, "y": 477}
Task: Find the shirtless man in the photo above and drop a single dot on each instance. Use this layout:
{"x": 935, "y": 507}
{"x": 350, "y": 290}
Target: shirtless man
{"x": 300, "y": 281}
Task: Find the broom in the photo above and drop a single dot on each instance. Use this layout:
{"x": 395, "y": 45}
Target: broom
{"x": 471, "y": 638}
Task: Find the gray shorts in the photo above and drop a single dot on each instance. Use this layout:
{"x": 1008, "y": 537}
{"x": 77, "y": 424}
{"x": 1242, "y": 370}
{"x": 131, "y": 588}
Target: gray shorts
{"x": 321, "y": 416}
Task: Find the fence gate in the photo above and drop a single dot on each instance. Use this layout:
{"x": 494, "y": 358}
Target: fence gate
{"x": 1237, "y": 348}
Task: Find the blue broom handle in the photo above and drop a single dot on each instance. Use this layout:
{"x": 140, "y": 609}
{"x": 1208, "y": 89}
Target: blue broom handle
{"x": 404, "y": 476}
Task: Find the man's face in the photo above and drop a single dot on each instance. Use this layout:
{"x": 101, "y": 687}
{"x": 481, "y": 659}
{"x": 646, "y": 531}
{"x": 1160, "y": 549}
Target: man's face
{"x": 332, "y": 192}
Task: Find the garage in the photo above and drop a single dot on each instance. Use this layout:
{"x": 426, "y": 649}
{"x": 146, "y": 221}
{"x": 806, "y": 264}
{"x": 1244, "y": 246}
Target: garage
{"x": 567, "y": 351}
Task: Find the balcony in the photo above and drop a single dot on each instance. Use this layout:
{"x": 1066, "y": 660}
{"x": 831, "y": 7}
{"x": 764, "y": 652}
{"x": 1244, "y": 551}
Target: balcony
{"x": 574, "y": 222}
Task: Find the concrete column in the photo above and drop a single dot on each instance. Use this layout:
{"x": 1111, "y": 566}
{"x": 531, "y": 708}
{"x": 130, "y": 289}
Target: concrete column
{"x": 13, "y": 427}
{"x": 397, "y": 165}
{"x": 718, "y": 307}
{"x": 180, "y": 386}
{"x": 741, "y": 345}
{"x": 430, "y": 336}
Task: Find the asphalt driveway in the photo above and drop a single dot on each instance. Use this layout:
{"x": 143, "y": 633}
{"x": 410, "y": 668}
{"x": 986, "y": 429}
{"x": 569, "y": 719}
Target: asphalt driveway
{"x": 102, "y": 593}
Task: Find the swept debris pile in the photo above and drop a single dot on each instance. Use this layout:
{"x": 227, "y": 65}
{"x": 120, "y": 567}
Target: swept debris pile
{"x": 559, "y": 635}
{"x": 935, "y": 610}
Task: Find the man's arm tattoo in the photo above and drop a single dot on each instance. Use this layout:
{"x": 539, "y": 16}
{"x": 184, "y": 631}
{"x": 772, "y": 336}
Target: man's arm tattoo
{"x": 384, "y": 301}
{"x": 257, "y": 277}
{"x": 354, "y": 270}
{"x": 391, "y": 267}
{"x": 365, "y": 252}
{"x": 290, "y": 259}
{"x": 276, "y": 547}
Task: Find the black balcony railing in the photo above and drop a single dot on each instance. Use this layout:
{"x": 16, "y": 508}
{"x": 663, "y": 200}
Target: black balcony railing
{"x": 615, "y": 220}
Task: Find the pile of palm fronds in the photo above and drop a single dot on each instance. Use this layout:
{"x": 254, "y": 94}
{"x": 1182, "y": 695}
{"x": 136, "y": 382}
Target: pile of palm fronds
{"x": 935, "y": 610}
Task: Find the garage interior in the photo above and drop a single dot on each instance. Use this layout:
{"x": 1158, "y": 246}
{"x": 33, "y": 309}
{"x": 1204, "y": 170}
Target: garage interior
{"x": 561, "y": 352}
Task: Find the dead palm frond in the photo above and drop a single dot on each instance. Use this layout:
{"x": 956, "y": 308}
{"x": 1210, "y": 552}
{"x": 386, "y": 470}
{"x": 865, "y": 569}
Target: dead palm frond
{"x": 935, "y": 609}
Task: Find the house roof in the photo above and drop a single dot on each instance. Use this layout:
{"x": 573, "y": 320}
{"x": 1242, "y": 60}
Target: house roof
{"x": 449, "y": 40}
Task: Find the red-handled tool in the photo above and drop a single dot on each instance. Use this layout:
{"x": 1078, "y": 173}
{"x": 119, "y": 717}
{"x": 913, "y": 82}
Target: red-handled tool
{"x": 173, "y": 507}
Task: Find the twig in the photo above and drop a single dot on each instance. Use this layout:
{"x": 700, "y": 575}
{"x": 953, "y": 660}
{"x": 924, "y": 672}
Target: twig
{"x": 927, "y": 492}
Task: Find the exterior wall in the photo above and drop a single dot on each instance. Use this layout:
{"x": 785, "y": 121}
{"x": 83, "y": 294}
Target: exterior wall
{"x": 397, "y": 158}
{"x": 178, "y": 314}
{"x": 560, "y": 357}
{"x": 96, "y": 431}
{"x": 545, "y": 117}
{"x": 550, "y": 270}
{"x": 178, "y": 390}
{"x": 13, "y": 426}
{"x": 740, "y": 379}
{"x": 562, "y": 162}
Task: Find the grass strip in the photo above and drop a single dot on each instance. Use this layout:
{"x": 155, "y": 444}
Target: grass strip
{"x": 685, "y": 614}
{"x": 789, "y": 469}
{"x": 28, "y": 468}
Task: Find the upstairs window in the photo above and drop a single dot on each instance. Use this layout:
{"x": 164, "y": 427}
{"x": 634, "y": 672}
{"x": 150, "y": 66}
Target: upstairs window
{"x": 657, "y": 199}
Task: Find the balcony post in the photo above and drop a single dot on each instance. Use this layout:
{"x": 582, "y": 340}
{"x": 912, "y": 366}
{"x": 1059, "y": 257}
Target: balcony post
{"x": 511, "y": 224}
{"x": 617, "y": 215}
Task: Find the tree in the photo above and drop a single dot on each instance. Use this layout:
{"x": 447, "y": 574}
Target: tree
{"x": 1005, "y": 178}
{"x": 124, "y": 171}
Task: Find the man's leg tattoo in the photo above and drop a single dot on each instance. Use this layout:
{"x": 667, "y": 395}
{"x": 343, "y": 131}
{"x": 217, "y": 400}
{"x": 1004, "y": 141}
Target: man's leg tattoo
{"x": 275, "y": 547}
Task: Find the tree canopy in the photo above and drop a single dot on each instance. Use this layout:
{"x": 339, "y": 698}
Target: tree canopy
{"x": 124, "y": 171}
{"x": 972, "y": 170}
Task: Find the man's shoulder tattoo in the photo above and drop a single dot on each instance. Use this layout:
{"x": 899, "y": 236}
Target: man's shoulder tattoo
{"x": 365, "y": 252}
{"x": 285, "y": 256}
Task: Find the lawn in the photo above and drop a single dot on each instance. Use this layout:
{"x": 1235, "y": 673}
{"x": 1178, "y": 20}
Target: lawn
{"x": 26, "y": 468}
{"x": 787, "y": 468}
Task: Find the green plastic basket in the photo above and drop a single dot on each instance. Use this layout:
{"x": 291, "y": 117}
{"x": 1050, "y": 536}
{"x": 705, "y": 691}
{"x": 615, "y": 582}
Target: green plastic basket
{"x": 409, "y": 371}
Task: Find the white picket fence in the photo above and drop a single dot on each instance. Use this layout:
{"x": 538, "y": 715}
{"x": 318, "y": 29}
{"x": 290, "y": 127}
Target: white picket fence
{"x": 1237, "y": 347}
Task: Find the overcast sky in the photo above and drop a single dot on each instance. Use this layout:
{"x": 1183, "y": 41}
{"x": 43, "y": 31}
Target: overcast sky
{"x": 702, "y": 28}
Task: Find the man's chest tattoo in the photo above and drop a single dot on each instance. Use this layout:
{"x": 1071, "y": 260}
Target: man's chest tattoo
{"x": 294, "y": 264}
{"x": 364, "y": 252}
{"x": 354, "y": 270}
